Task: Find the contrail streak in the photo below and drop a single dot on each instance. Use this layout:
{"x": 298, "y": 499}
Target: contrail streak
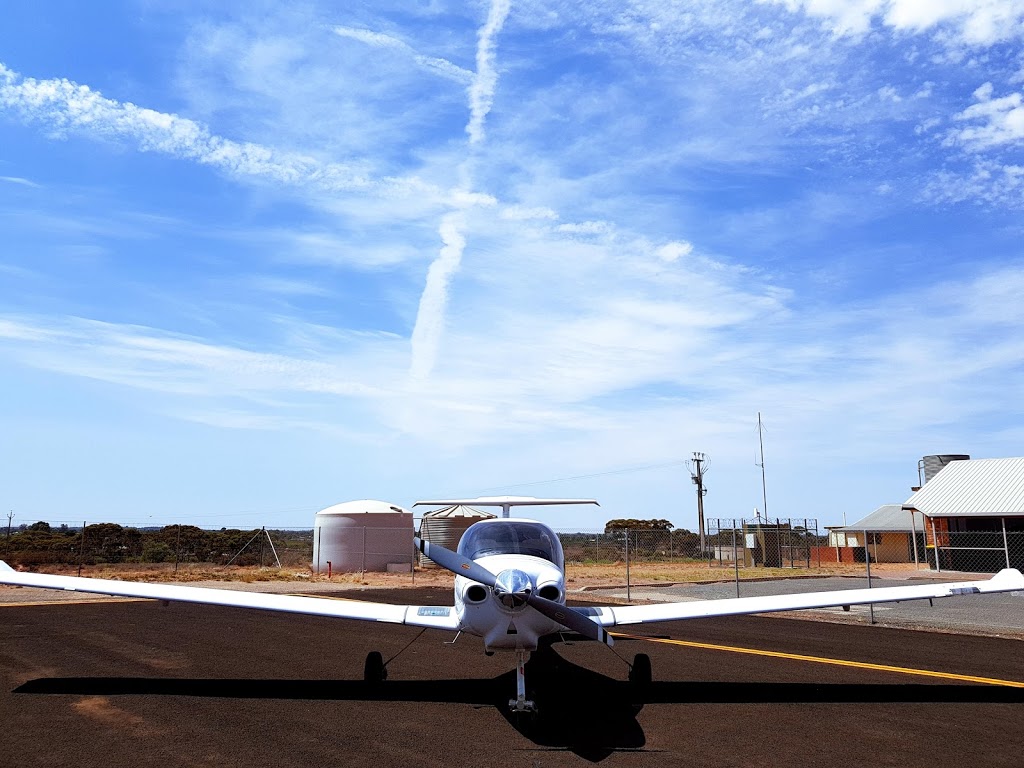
{"x": 430, "y": 319}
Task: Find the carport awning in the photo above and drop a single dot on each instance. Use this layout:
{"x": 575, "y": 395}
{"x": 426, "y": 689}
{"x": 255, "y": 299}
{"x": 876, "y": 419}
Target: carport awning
{"x": 888, "y": 518}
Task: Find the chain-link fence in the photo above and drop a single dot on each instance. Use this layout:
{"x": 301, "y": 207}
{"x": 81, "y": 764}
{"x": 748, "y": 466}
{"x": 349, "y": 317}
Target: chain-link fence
{"x": 784, "y": 543}
{"x": 633, "y": 545}
{"x": 973, "y": 551}
{"x": 358, "y": 549}
{"x": 112, "y": 544}
{"x": 754, "y": 546}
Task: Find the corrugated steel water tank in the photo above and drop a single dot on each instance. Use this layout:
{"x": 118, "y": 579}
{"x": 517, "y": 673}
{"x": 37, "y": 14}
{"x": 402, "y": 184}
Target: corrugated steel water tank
{"x": 932, "y": 464}
{"x": 363, "y": 535}
{"x": 446, "y": 526}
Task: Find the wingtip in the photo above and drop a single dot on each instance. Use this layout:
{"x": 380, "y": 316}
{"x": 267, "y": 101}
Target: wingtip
{"x": 1009, "y": 577}
{"x": 4, "y": 566}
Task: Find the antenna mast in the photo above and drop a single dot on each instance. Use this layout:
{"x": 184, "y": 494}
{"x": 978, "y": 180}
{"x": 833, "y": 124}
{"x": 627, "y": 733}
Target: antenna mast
{"x": 764, "y": 490}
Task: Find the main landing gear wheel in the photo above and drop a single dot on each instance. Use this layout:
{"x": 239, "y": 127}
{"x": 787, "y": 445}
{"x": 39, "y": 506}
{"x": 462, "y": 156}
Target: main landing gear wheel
{"x": 640, "y": 672}
{"x": 374, "y": 670}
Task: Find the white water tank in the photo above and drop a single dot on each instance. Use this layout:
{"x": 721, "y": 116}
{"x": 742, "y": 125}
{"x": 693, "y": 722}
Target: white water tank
{"x": 363, "y": 535}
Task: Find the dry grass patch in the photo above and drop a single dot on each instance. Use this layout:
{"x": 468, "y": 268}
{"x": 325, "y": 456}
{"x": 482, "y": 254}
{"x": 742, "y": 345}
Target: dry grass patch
{"x": 578, "y": 575}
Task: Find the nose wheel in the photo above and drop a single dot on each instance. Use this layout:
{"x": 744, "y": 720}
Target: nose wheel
{"x": 520, "y": 703}
{"x": 374, "y": 670}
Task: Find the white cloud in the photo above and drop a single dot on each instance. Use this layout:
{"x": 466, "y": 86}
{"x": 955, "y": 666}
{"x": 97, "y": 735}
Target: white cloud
{"x": 485, "y": 80}
{"x": 585, "y": 228}
{"x": 674, "y": 251}
{"x": 20, "y": 181}
{"x": 975, "y": 22}
{"x": 65, "y": 106}
{"x": 434, "y": 64}
{"x": 997, "y": 122}
{"x": 430, "y": 319}
{"x": 986, "y": 181}
{"x": 155, "y": 360}
{"x": 519, "y": 213}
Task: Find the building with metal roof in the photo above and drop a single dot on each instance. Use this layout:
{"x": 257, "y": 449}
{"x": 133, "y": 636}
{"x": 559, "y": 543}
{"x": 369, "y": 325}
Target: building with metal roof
{"x": 894, "y": 535}
{"x": 889, "y": 517}
{"x": 974, "y": 514}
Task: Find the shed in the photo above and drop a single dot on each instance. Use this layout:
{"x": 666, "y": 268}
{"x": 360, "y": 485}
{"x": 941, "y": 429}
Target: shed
{"x": 889, "y": 531}
{"x": 974, "y": 514}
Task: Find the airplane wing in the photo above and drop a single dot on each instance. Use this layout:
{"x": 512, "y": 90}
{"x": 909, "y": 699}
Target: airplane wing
{"x": 1007, "y": 580}
{"x": 433, "y": 617}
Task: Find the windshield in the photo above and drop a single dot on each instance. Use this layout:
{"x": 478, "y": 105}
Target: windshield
{"x": 511, "y": 537}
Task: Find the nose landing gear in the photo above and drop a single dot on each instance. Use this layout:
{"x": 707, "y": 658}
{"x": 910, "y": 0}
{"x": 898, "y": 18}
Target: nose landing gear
{"x": 520, "y": 703}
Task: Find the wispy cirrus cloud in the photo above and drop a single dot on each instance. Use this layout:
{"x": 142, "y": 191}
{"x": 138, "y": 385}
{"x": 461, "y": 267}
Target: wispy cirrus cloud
{"x": 20, "y": 181}
{"x": 62, "y": 106}
{"x": 435, "y": 64}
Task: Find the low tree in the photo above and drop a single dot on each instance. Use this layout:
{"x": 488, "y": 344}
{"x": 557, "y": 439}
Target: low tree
{"x": 622, "y": 524}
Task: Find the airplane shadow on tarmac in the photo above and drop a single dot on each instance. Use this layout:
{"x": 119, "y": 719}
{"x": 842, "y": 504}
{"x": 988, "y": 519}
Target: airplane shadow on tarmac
{"x": 579, "y": 710}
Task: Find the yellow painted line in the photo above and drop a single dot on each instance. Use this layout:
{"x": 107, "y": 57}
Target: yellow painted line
{"x": 825, "y": 660}
{"x": 81, "y": 601}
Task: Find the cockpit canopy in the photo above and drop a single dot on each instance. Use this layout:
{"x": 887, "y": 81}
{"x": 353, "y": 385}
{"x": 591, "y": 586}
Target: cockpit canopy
{"x": 511, "y": 537}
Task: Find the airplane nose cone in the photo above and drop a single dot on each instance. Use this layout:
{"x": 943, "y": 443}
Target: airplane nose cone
{"x": 512, "y": 587}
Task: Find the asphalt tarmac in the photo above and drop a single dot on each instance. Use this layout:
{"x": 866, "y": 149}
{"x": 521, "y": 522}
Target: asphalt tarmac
{"x": 140, "y": 684}
{"x": 1000, "y": 614}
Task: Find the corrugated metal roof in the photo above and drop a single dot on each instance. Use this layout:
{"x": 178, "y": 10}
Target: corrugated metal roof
{"x": 458, "y": 510}
{"x": 979, "y": 487}
{"x": 888, "y": 517}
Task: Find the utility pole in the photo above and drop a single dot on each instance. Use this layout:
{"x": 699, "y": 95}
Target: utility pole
{"x": 10, "y": 516}
{"x": 699, "y": 466}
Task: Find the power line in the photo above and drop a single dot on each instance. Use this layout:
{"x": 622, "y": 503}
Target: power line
{"x": 584, "y": 477}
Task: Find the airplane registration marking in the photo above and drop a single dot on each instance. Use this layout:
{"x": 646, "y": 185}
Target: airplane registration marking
{"x": 826, "y": 660}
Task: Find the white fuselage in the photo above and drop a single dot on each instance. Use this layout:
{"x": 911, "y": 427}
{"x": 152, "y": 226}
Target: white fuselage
{"x": 481, "y": 612}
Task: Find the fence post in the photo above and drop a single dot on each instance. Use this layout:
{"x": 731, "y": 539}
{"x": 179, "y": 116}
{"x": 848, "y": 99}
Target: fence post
{"x": 363, "y": 569}
{"x": 1006, "y": 544}
{"x": 318, "y": 543}
{"x": 867, "y": 559}
{"x": 935, "y": 546}
{"x": 81, "y": 556}
{"x": 628, "y": 593}
{"x": 735, "y": 559}
{"x": 913, "y": 537}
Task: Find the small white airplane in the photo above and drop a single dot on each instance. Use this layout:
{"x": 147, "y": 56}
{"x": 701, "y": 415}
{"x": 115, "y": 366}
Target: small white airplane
{"x": 510, "y": 591}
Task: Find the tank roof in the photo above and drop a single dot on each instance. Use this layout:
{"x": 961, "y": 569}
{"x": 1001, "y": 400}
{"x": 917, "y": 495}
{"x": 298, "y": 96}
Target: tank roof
{"x": 363, "y": 507}
{"x": 459, "y": 510}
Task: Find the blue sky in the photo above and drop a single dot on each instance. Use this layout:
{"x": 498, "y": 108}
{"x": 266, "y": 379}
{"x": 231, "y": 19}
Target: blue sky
{"x": 262, "y": 259}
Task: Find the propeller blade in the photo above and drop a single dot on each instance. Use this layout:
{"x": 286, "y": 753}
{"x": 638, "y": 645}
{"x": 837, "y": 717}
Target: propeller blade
{"x": 567, "y": 617}
{"x": 455, "y": 562}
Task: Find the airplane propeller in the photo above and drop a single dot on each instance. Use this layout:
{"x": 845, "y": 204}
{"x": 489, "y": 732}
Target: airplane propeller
{"x": 523, "y": 590}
